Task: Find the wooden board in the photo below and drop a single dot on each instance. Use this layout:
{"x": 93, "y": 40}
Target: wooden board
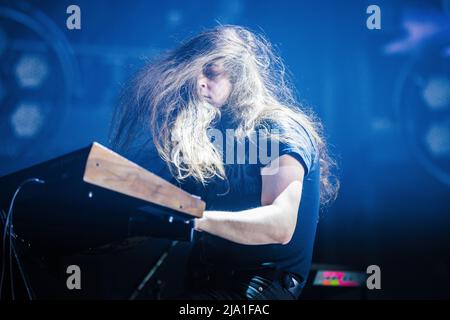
{"x": 107, "y": 169}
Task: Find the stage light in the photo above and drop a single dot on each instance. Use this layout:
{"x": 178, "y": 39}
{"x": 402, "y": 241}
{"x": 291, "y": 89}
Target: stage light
{"x": 419, "y": 28}
{"x": 31, "y": 70}
{"x": 438, "y": 139}
{"x": 37, "y": 68}
{"x": 423, "y": 107}
{"x": 27, "y": 120}
{"x": 437, "y": 93}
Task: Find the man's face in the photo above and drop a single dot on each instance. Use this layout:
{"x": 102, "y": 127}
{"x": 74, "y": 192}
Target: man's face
{"x": 214, "y": 85}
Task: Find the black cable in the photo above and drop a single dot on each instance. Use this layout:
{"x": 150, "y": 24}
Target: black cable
{"x": 11, "y": 272}
{"x": 2, "y": 216}
{"x": 9, "y": 225}
{"x": 152, "y": 271}
{"x": 5, "y": 228}
{"x": 23, "y": 275}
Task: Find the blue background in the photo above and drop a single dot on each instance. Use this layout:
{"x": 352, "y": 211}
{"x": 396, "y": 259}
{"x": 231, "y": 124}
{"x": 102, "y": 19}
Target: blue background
{"x": 393, "y": 209}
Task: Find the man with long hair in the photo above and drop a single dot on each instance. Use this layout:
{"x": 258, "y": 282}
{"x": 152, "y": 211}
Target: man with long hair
{"x": 255, "y": 239}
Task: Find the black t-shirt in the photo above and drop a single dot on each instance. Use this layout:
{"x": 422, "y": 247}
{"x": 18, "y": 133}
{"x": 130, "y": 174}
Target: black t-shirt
{"x": 242, "y": 190}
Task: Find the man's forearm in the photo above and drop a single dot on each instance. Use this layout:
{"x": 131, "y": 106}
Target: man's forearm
{"x": 255, "y": 226}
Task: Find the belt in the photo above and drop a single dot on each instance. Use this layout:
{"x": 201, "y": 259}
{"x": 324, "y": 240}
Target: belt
{"x": 295, "y": 287}
{"x": 293, "y": 283}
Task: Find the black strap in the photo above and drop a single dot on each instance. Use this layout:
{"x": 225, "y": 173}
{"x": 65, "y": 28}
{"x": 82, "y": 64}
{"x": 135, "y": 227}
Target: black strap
{"x": 294, "y": 286}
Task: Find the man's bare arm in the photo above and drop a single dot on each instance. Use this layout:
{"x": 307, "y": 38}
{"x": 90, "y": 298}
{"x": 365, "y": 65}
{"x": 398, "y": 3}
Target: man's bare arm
{"x": 274, "y": 221}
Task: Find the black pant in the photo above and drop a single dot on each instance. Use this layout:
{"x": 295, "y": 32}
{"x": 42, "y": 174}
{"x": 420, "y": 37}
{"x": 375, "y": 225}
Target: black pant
{"x": 265, "y": 284}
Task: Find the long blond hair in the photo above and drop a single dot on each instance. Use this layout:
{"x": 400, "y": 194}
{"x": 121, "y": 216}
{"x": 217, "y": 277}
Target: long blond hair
{"x": 164, "y": 99}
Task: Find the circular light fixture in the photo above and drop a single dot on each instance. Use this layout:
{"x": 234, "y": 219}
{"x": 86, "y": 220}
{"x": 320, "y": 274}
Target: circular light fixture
{"x": 31, "y": 70}
{"x": 423, "y": 107}
{"x": 36, "y": 81}
{"x": 436, "y": 92}
{"x": 27, "y": 120}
